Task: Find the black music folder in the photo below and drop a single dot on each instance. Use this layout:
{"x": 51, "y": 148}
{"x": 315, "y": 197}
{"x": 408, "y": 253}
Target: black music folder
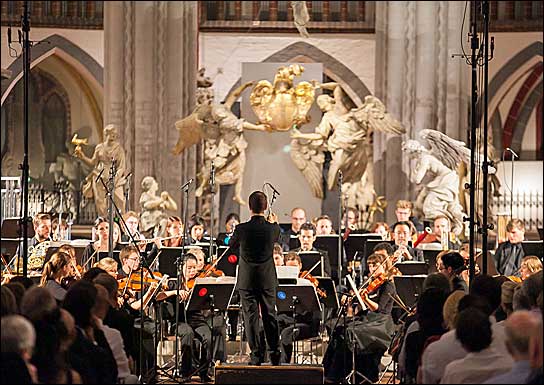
{"x": 167, "y": 260}
{"x": 533, "y": 248}
{"x": 409, "y": 288}
{"x": 305, "y": 295}
{"x": 310, "y": 259}
{"x": 355, "y": 245}
{"x": 210, "y": 294}
{"x": 229, "y": 262}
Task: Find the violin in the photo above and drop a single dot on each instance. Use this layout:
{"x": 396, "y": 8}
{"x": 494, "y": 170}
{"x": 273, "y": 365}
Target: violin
{"x": 306, "y": 275}
{"x": 211, "y": 271}
{"x": 134, "y": 280}
{"x": 374, "y": 285}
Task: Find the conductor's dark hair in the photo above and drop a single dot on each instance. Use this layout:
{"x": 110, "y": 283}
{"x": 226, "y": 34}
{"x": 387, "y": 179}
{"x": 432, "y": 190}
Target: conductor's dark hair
{"x": 258, "y": 202}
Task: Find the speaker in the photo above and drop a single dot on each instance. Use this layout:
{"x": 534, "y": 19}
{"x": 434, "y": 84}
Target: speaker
{"x": 287, "y": 374}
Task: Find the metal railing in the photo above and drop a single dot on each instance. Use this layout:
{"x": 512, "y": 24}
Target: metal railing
{"x": 526, "y": 206}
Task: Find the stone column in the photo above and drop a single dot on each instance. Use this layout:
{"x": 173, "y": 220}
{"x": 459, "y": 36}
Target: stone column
{"x": 419, "y": 82}
{"x": 150, "y": 82}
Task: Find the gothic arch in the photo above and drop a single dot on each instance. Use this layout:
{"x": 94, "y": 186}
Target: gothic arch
{"x": 304, "y": 52}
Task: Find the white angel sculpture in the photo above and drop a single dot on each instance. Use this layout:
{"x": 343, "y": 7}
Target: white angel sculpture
{"x": 347, "y": 135}
{"x": 224, "y": 142}
{"x": 439, "y": 196}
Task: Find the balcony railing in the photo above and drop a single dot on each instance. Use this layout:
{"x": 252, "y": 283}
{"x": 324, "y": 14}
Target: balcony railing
{"x": 277, "y": 16}
{"x": 515, "y": 16}
{"x": 56, "y": 14}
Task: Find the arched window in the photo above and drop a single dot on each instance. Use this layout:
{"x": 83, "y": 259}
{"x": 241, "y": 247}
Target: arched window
{"x": 54, "y": 127}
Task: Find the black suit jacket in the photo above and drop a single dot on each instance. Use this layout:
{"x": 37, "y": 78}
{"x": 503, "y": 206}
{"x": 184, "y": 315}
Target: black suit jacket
{"x": 256, "y": 269}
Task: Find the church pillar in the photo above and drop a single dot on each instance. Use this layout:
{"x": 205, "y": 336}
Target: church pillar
{"x": 150, "y": 82}
{"x": 419, "y": 82}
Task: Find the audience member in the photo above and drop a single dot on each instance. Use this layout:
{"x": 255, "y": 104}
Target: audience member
{"x": 18, "y": 341}
{"x": 451, "y": 265}
{"x": 8, "y": 303}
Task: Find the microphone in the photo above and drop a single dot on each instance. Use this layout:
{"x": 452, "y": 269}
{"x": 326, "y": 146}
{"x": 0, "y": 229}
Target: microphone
{"x": 100, "y": 174}
{"x": 273, "y": 189}
{"x": 512, "y": 152}
{"x": 212, "y": 175}
{"x": 9, "y": 35}
{"x": 187, "y": 184}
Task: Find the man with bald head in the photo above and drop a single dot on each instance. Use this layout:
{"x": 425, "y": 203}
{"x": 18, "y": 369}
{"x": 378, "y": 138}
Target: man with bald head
{"x": 298, "y": 218}
{"x": 519, "y": 328}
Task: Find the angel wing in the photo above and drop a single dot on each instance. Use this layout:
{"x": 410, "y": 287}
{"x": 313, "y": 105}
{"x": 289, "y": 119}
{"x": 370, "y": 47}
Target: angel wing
{"x": 301, "y": 17}
{"x": 372, "y": 115}
{"x": 449, "y": 151}
{"x": 261, "y": 96}
{"x": 309, "y": 160}
{"x": 190, "y": 132}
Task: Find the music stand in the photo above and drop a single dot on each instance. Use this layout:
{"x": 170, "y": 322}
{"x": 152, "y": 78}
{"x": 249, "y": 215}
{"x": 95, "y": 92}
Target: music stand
{"x": 12, "y": 236}
{"x": 310, "y": 259}
{"x": 304, "y": 291}
{"x": 409, "y": 287}
{"x": 229, "y": 262}
{"x": 329, "y": 243}
{"x": 356, "y": 244}
{"x": 328, "y": 286}
{"x": 105, "y": 254}
{"x": 294, "y": 243}
{"x": 429, "y": 256}
{"x": 533, "y": 248}
{"x": 167, "y": 257}
{"x": 413, "y": 268}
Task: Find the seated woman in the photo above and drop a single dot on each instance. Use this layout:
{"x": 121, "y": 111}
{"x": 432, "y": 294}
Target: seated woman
{"x": 102, "y": 228}
{"x": 529, "y": 265}
{"x": 54, "y": 271}
{"x": 369, "y": 330}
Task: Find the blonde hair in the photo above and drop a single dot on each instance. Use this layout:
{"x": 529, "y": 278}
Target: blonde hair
{"x": 404, "y": 204}
{"x": 127, "y": 251}
{"x": 515, "y": 223}
{"x": 107, "y": 264}
{"x": 533, "y": 263}
{"x": 68, "y": 249}
{"x": 54, "y": 266}
{"x": 450, "y": 309}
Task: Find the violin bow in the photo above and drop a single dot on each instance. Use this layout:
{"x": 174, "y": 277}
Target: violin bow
{"x": 309, "y": 271}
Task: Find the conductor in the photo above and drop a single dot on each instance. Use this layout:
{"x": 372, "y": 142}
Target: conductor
{"x": 257, "y": 279}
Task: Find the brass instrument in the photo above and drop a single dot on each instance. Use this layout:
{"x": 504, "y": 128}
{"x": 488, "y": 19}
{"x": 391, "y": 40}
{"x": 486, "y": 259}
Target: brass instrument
{"x": 78, "y": 142}
{"x": 36, "y": 255}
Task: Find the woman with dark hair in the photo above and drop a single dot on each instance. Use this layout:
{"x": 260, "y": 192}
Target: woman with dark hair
{"x": 102, "y": 228}
{"x": 90, "y": 353}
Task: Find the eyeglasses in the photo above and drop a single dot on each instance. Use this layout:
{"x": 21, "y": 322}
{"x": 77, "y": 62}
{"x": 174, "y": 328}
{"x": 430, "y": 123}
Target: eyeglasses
{"x": 134, "y": 259}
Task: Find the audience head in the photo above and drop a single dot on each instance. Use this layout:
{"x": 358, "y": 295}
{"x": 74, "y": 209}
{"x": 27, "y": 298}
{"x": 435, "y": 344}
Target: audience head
{"x": 532, "y": 287}
{"x": 278, "y": 255}
{"x": 37, "y": 303}
{"x": 536, "y": 345}
{"x": 103, "y": 303}
{"x": 403, "y": 210}
{"x": 451, "y": 309}
{"x": 27, "y": 282}
{"x": 307, "y": 236}
{"x": 323, "y": 225}
{"x": 258, "y": 202}
{"x": 8, "y": 302}
{"x": 507, "y": 296}
{"x": 402, "y": 233}
{"x": 489, "y": 289}
{"x": 111, "y": 285}
{"x": 437, "y": 281}
{"x": 518, "y": 329}
{"x": 18, "y": 336}
{"x": 515, "y": 230}
{"x": 18, "y": 291}
{"x": 429, "y": 310}
{"x": 92, "y": 273}
{"x": 529, "y": 265}
{"x": 473, "y": 330}
{"x": 298, "y": 218}
{"x": 79, "y": 301}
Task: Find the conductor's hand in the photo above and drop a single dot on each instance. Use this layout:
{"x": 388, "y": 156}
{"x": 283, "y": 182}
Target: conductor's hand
{"x": 272, "y": 218}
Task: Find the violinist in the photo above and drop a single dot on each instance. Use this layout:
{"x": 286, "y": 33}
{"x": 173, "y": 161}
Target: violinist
{"x": 76, "y": 271}
{"x": 109, "y": 265}
{"x": 386, "y": 250}
{"x": 200, "y": 258}
{"x": 372, "y": 328}
{"x": 54, "y": 271}
{"x": 130, "y": 261}
{"x": 307, "y": 323}
{"x": 278, "y": 255}
{"x": 192, "y": 324}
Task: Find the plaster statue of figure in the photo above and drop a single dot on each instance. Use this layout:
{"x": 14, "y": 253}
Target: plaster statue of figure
{"x": 202, "y": 80}
{"x": 65, "y": 174}
{"x": 440, "y": 195}
{"x": 153, "y": 206}
{"x": 301, "y": 17}
{"x": 224, "y": 142}
{"x": 347, "y": 135}
{"x": 101, "y": 160}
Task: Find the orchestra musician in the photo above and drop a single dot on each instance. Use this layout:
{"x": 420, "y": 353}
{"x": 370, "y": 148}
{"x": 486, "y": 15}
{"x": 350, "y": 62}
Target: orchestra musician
{"x": 197, "y": 229}
{"x": 60, "y": 232}
{"x": 109, "y": 265}
{"x": 278, "y": 255}
{"x": 193, "y": 324}
{"x": 403, "y": 212}
{"x": 42, "y": 229}
{"x": 298, "y": 218}
{"x": 530, "y": 265}
{"x": 323, "y": 225}
{"x": 132, "y": 221}
{"x": 509, "y": 254}
{"x": 174, "y": 228}
{"x": 307, "y": 323}
{"x": 257, "y": 279}
{"x": 371, "y": 328}
{"x": 402, "y": 233}
{"x": 441, "y": 225}
{"x": 307, "y": 237}
{"x": 352, "y": 217}
{"x": 381, "y": 228}
{"x": 54, "y": 271}
{"x": 102, "y": 228}
{"x": 76, "y": 270}
{"x": 231, "y": 222}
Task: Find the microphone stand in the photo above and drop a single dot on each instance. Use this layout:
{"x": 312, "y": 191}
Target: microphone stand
{"x": 112, "y": 204}
{"x": 111, "y": 182}
{"x": 340, "y": 212}
{"x": 179, "y": 264}
{"x": 212, "y": 204}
